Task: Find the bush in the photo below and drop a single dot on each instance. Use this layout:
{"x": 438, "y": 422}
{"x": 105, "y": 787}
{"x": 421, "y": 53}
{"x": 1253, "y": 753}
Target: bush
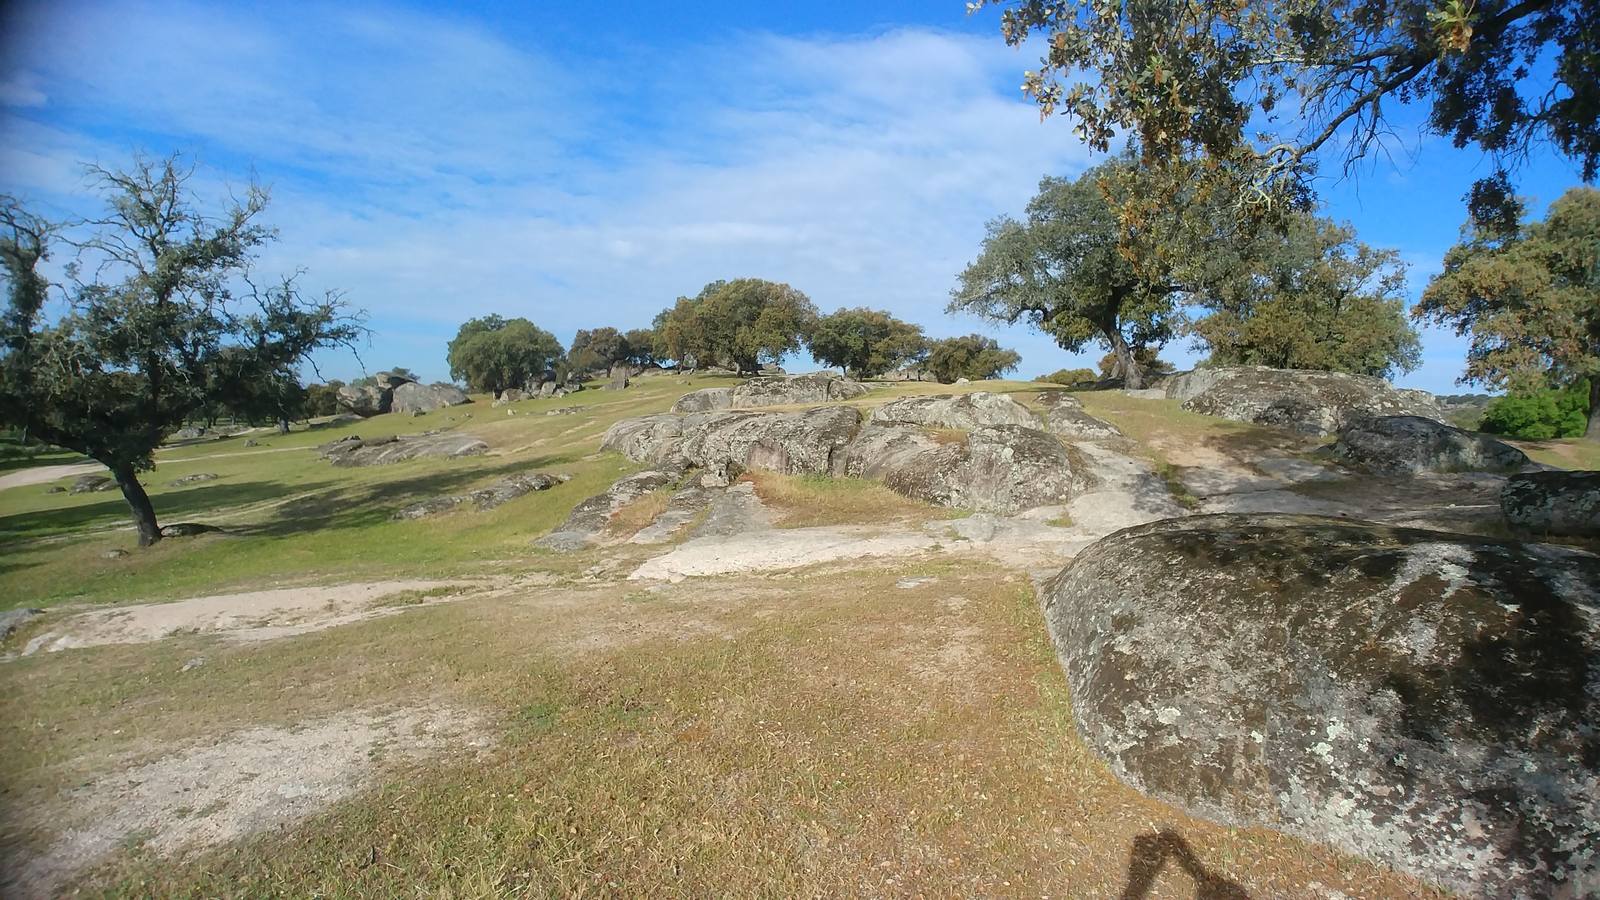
{"x": 1068, "y": 377}
{"x": 1540, "y": 416}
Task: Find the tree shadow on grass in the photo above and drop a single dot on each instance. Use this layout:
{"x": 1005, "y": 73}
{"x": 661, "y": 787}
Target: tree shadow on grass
{"x": 331, "y": 504}
{"x": 113, "y": 510}
{"x": 1150, "y": 854}
{"x": 359, "y": 505}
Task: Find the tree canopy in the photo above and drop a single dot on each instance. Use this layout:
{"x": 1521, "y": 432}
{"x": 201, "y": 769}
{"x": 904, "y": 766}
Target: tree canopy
{"x": 1528, "y": 294}
{"x": 1261, "y": 88}
{"x": 973, "y": 357}
{"x": 492, "y": 353}
{"x": 866, "y": 342}
{"x": 1310, "y": 297}
{"x": 162, "y": 317}
{"x": 1067, "y": 271}
{"x": 740, "y": 324}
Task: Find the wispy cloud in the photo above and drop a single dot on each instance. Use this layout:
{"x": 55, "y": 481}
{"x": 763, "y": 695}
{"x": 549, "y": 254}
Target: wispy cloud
{"x": 435, "y": 170}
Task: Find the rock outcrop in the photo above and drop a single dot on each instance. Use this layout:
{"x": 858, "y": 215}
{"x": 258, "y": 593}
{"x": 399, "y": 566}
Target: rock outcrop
{"x": 807, "y": 442}
{"x": 413, "y": 397}
{"x": 587, "y": 523}
{"x": 500, "y": 492}
{"x": 353, "y": 451}
{"x": 786, "y": 390}
{"x": 366, "y": 400}
{"x": 508, "y": 396}
{"x": 1065, "y": 415}
{"x": 1566, "y": 504}
{"x": 993, "y": 468}
{"x": 1422, "y": 698}
{"x": 963, "y": 412}
{"x": 1300, "y": 400}
{"x": 196, "y": 478}
{"x": 89, "y": 484}
{"x": 1406, "y": 445}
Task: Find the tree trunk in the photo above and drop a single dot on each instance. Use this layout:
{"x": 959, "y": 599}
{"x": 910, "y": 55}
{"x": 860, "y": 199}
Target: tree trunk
{"x": 1132, "y": 378}
{"x": 1592, "y": 431}
{"x": 144, "y": 515}
{"x": 283, "y": 426}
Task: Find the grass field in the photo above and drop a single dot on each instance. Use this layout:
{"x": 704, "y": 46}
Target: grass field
{"x": 895, "y": 727}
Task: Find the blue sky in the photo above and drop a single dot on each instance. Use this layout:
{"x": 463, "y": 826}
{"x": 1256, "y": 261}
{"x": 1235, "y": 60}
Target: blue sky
{"x": 584, "y": 164}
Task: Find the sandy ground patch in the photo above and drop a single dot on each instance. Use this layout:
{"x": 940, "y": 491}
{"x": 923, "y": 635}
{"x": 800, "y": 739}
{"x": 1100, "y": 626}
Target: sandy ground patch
{"x": 251, "y": 781}
{"x": 46, "y": 474}
{"x": 776, "y": 550}
{"x": 249, "y": 616}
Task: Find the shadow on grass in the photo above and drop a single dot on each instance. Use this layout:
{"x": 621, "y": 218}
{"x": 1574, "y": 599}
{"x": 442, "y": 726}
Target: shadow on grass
{"x": 334, "y": 505}
{"x": 170, "y": 507}
{"x": 361, "y": 505}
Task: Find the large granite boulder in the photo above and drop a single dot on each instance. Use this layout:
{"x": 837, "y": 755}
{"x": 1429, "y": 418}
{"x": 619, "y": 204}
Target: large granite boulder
{"x": 705, "y": 400}
{"x": 366, "y": 400}
{"x": 588, "y": 521}
{"x": 807, "y": 442}
{"x": 1566, "y": 504}
{"x": 1406, "y": 445}
{"x": 390, "y": 380}
{"x": 993, "y": 468}
{"x": 353, "y": 451}
{"x": 772, "y": 390}
{"x": 508, "y": 396}
{"x": 964, "y": 412}
{"x": 1305, "y": 401}
{"x": 1065, "y": 415}
{"x": 647, "y": 439}
{"x": 1425, "y": 699}
{"x": 414, "y": 397}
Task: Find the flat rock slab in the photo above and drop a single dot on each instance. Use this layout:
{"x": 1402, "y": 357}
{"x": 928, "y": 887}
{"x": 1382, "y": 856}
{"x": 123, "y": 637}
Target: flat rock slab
{"x": 585, "y": 526}
{"x": 778, "y": 550}
{"x": 1423, "y": 698}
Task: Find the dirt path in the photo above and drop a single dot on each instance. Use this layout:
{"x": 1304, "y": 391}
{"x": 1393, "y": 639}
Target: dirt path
{"x": 46, "y": 474}
{"x": 250, "y": 781}
{"x": 251, "y": 616}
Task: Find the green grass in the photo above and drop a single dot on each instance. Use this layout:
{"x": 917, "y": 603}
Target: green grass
{"x": 291, "y": 517}
{"x": 1567, "y": 453}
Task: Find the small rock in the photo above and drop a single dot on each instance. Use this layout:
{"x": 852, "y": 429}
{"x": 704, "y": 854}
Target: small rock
{"x": 193, "y": 664}
{"x": 114, "y": 554}
{"x": 12, "y": 619}
{"x": 55, "y": 489}
{"x": 252, "y": 442}
{"x": 196, "y": 478}
{"x": 186, "y": 529}
{"x": 86, "y": 484}
{"x": 906, "y": 584}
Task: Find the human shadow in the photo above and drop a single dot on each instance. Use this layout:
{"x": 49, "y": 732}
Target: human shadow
{"x": 1150, "y": 854}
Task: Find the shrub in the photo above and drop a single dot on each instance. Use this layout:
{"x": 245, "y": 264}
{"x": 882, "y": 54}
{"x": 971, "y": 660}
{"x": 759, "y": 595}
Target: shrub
{"x": 1541, "y": 415}
{"x": 1068, "y": 377}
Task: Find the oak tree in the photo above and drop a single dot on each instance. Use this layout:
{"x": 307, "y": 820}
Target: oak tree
{"x": 159, "y": 317}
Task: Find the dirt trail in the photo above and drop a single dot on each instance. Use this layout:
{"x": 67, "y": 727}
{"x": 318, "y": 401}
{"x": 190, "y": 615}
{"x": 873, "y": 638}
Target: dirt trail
{"x": 250, "y": 616}
{"x": 46, "y": 474}
{"x": 250, "y": 781}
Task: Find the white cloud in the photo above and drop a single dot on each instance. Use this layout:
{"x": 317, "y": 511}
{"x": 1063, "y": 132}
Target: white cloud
{"x": 436, "y": 171}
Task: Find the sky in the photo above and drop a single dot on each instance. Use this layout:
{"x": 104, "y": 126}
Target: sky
{"x": 583, "y": 165}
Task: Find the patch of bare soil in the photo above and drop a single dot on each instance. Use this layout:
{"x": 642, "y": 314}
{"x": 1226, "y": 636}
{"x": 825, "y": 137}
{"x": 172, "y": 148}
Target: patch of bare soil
{"x": 249, "y": 616}
{"x": 45, "y": 474}
{"x": 248, "y": 782}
